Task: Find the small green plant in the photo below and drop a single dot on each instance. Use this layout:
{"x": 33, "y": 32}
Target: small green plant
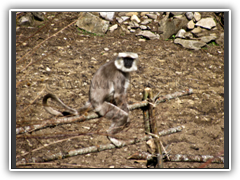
{"x": 87, "y": 32}
{"x": 172, "y": 38}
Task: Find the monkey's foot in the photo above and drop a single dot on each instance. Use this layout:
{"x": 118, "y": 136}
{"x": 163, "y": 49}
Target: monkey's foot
{"x": 116, "y": 142}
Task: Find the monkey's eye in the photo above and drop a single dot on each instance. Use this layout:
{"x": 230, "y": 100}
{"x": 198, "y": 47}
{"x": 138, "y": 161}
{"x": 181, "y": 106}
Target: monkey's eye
{"x": 128, "y": 62}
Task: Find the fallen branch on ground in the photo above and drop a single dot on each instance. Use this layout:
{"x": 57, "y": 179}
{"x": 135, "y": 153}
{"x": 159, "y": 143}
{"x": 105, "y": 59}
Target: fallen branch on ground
{"x": 179, "y": 157}
{"x": 92, "y": 149}
{"x": 67, "y": 120}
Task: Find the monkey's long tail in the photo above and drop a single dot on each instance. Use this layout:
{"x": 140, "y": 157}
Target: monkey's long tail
{"x": 55, "y": 112}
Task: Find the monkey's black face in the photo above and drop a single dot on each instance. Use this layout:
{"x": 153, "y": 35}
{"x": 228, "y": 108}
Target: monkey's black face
{"x": 128, "y": 62}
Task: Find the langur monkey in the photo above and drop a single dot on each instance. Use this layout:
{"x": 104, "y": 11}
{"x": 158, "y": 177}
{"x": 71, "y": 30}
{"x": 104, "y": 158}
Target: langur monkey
{"x": 107, "y": 94}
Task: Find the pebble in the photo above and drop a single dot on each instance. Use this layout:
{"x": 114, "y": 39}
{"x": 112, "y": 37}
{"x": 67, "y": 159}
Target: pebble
{"x": 190, "y": 24}
{"x": 181, "y": 33}
{"x": 114, "y": 27}
{"x": 197, "y": 16}
{"x": 152, "y": 16}
{"x": 135, "y": 18}
{"x": 146, "y": 21}
{"x": 189, "y": 15}
{"x": 207, "y": 23}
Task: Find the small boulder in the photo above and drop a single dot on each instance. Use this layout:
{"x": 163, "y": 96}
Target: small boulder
{"x": 207, "y": 23}
{"x": 190, "y": 24}
{"x": 93, "y": 24}
{"x": 190, "y": 44}
{"x": 148, "y": 34}
{"x": 107, "y": 15}
{"x": 181, "y": 33}
{"x": 197, "y": 16}
{"x": 135, "y": 18}
{"x": 189, "y": 15}
{"x": 112, "y": 28}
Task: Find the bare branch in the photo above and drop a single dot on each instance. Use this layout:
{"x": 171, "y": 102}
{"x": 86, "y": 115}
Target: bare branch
{"x": 179, "y": 157}
{"x": 67, "y": 120}
{"x": 87, "y": 150}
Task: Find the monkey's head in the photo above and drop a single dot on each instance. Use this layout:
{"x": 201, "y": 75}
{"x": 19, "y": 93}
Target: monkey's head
{"x": 126, "y": 61}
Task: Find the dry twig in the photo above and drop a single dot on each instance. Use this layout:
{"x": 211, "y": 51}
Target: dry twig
{"x": 67, "y": 120}
{"x": 92, "y": 149}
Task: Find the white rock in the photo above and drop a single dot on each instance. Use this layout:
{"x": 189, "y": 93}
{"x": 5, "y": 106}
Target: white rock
{"x": 190, "y": 24}
{"x": 207, "y": 23}
{"x": 146, "y": 21}
{"x": 106, "y": 49}
{"x": 197, "y": 16}
{"x": 152, "y": 16}
{"x": 181, "y": 33}
{"x": 189, "y": 15}
{"x": 135, "y": 18}
{"x": 119, "y": 20}
{"x": 148, "y": 34}
{"x": 132, "y": 30}
{"x": 124, "y": 18}
{"x": 188, "y": 35}
{"x": 48, "y": 69}
{"x": 112, "y": 28}
{"x": 209, "y": 38}
{"x": 143, "y": 27}
{"x": 190, "y": 44}
{"x": 107, "y": 15}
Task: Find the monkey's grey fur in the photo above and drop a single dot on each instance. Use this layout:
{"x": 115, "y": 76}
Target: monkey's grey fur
{"x": 107, "y": 94}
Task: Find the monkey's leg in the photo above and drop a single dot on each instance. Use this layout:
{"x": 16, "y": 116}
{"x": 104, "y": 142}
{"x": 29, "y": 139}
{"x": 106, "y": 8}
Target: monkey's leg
{"x": 119, "y": 120}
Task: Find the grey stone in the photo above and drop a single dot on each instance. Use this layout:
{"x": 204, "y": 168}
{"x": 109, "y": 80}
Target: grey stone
{"x": 146, "y": 21}
{"x": 135, "y": 18}
{"x": 93, "y": 24}
{"x": 119, "y": 20}
{"x": 148, "y": 34}
{"x": 197, "y": 16}
{"x": 196, "y": 30}
{"x": 112, "y": 28}
{"x": 189, "y": 15}
{"x": 107, "y": 15}
{"x": 133, "y": 24}
{"x": 207, "y": 23}
{"x": 143, "y": 27}
{"x": 26, "y": 19}
{"x": 188, "y": 35}
{"x": 190, "y": 24}
{"x": 38, "y": 15}
{"x": 152, "y": 16}
{"x": 181, "y": 33}
{"x": 169, "y": 27}
{"x": 190, "y": 44}
{"x": 209, "y": 38}
{"x": 124, "y": 18}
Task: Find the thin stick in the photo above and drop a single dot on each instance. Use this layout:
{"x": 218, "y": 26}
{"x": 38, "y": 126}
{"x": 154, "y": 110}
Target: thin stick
{"x": 67, "y": 120}
{"x": 179, "y": 157}
{"x": 92, "y": 149}
{"x": 174, "y": 95}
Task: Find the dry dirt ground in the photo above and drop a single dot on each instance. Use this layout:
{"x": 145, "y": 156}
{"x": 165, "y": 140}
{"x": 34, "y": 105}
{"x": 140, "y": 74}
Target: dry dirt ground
{"x": 65, "y": 64}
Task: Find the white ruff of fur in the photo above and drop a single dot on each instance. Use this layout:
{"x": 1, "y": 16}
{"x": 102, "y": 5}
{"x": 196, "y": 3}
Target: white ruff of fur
{"x": 120, "y": 64}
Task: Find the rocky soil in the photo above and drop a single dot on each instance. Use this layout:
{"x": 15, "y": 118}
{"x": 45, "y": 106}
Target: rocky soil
{"x": 64, "y": 64}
